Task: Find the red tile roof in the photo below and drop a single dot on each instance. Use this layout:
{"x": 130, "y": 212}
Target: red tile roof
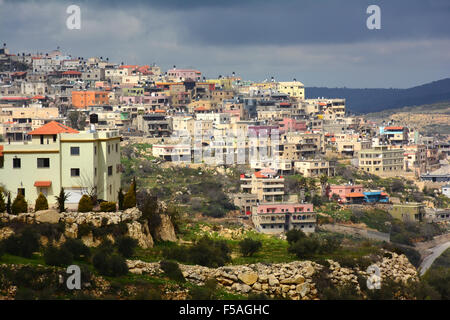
{"x": 53, "y": 127}
{"x": 42, "y": 183}
{"x": 38, "y": 97}
{"x": 393, "y": 128}
{"x": 71, "y": 72}
{"x": 1, "y": 151}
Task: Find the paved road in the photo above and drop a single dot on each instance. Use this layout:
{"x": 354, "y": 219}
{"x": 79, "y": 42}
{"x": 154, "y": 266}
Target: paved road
{"x": 435, "y": 253}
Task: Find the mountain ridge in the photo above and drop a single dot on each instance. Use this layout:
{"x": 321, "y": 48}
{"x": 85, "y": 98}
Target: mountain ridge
{"x": 364, "y": 100}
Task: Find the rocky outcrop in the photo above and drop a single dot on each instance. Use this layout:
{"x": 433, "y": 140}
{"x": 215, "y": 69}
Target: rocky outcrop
{"x": 74, "y": 221}
{"x": 165, "y": 231}
{"x": 6, "y": 232}
{"x": 294, "y": 280}
{"x": 141, "y": 233}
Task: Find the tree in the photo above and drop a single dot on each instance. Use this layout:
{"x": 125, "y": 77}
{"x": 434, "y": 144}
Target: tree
{"x": 294, "y": 235}
{"x": 41, "y": 203}
{"x": 2, "y": 203}
{"x": 108, "y": 206}
{"x": 316, "y": 200}
{"x": 249, "y": 247}
{"x": 323, "y": 181}
{"x": 77, "y": 120}
{"x": 8, "y": 204}
{"x": 129, "y": 200}
{"x": 19, "y": 204}
{"x": 61, "y": 199}
{"x": 120, "y": 199}
{"x": 85, "y": 204}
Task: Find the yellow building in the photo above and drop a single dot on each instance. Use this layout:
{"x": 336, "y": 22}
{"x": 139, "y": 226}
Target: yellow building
{"x": 59, "y": 156}
{"x": 295, "y": 89}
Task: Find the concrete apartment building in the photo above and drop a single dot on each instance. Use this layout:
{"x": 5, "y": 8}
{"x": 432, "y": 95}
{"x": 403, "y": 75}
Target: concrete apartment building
{"x": 295, "y": 89}
{"x": 84, "y": 99}
{"x": 267, "y": 186}
{"x": 275, "y": 218}
{"x": 59, "y": 156}
{"x": 381, "y": 160}
{"x": 315, "y": 168}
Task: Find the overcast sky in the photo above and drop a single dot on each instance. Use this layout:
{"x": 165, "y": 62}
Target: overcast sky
{"x": 319, "y": 42}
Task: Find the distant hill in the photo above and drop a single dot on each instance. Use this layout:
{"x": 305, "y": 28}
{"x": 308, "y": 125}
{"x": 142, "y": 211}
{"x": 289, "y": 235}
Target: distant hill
{"x": 362, "y": 101}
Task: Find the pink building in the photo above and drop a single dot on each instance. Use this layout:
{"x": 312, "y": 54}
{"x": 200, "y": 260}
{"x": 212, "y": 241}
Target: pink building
{"x": 273, "y": 218}
{"x": 292, "y": 125}
{"x": 184, "y": 74}
{"x": 345, "y": 191}
{"x": 285, "y": 208}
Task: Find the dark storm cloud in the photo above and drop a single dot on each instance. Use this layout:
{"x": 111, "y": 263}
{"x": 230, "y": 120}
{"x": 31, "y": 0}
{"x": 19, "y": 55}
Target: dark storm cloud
{"x": 321, "y": 42}
{"x": 282, "y": 22}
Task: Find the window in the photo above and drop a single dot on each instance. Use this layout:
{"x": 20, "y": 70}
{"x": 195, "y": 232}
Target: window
{"x": 110, "y": 171}
{"x": 95, "y": 149}
{"x": 117, "y": 147}
{"x": 54, "y": 138}
{"x": 109, "y": 149}
{"x": 75, "y": 172}
{"x": 95, "y": 171}
{"x": 2, "y": 161}
{"x": 16, "y": 163}
{"x": 74, "y": 151}
{"x": 43, "y": 162}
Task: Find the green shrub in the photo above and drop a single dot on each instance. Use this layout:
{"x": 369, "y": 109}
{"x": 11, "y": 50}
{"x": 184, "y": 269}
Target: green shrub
{"x": 206, "y": 292}
{"x": 41, "y": 203}
{"x": 2, "y": 202}
{"x": 19, "y": 204}
{"x": 172, "y": 270}
{"x": 209, "y": 253}
{"x": 109, "y": 265}
{"x": 294, "y": 235}
{"x": 22, "y": 245}
{"x": 77, "y": 248}
{"x": 59, "y": 257}
{"x": 85, "y": 204}
{"x": 249, "y": 247}
{"x": 126, "y": 246}
{"x": 108, "y": 206}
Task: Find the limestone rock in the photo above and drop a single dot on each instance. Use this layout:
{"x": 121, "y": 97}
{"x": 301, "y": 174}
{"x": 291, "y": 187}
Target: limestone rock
{"x": 248, "y": 278}
{"x": 166, "y": 231}
{"x": 47, "y": 216}
{"x": 141, "y": 234}
{"x": 6, "y": 232}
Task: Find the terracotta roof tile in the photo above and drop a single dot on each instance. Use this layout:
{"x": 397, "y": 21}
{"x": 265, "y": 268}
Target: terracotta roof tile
{"x": 53, "y": 127}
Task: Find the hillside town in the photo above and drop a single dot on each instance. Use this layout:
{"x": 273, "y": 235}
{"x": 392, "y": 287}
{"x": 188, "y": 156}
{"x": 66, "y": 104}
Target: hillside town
{"x": 265, "y": 157}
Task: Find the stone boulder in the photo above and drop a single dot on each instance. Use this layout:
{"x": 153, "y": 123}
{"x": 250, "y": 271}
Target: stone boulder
{"x": 166, "y": 231}
{"x": 248, "y": 278}
{"x": 141, "y": 233}
{"x": 47, "y": 216}
{"x": 5, "y": 233}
